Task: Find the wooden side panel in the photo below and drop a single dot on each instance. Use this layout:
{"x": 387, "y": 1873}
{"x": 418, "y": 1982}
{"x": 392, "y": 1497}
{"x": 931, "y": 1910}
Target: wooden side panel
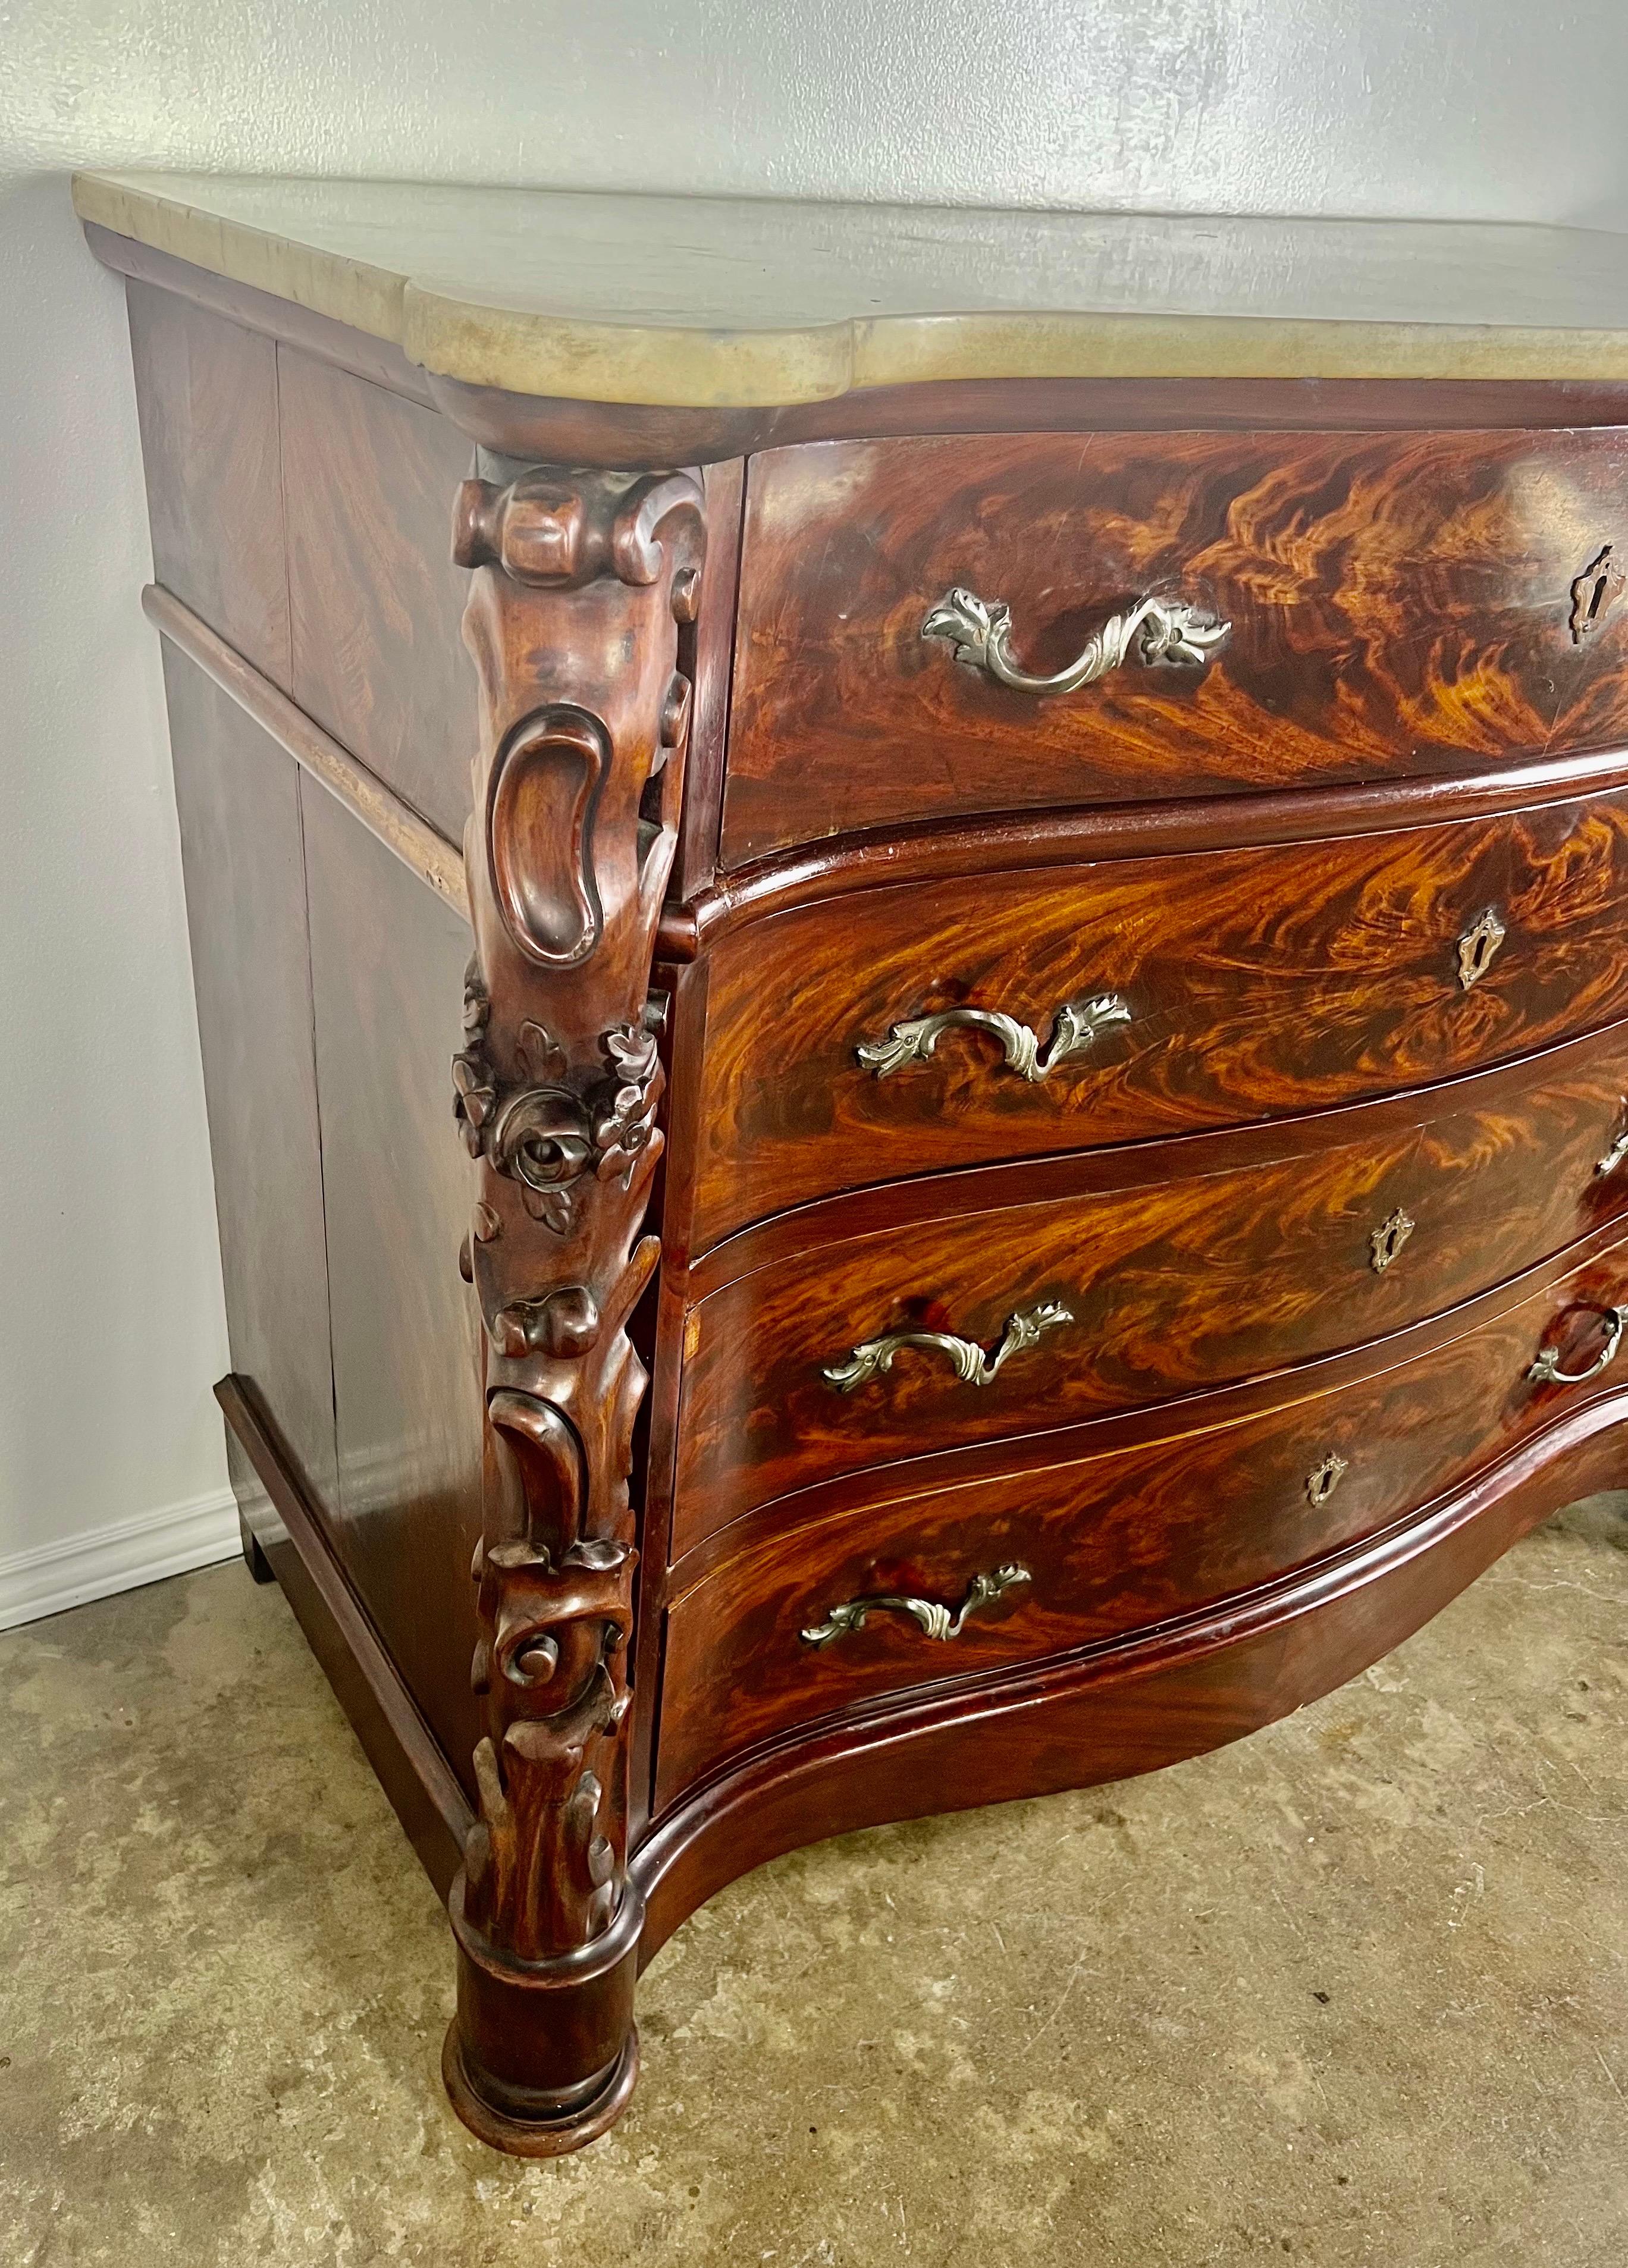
{"x": 290, "y": 1539}
{"x": 1256, "y": 982}
{"x": 1398, "y": 604}
{"x": 389, "y": 962}
{"x": 379, "y": 660}
{"x": 206, "y": 393}
{"x": 1108, "y": 1544}
{"x": 239, "y": 802}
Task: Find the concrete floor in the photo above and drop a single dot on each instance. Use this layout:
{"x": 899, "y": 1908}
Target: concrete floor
{"x": 1353, "y": 1990}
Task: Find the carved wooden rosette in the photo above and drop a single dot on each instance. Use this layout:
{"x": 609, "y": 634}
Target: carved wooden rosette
{"x": 581, "y": 583}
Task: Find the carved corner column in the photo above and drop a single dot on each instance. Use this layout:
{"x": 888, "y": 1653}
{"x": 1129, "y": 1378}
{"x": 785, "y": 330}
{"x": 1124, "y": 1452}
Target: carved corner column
{"x": 581, "y": 581}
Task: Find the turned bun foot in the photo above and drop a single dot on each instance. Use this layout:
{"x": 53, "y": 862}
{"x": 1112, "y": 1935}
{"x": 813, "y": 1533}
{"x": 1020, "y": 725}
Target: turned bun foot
{"x": 542, "y": 2055}
{"x": 544, "y": 2132}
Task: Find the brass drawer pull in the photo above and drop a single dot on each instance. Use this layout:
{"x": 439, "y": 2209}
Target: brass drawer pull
{"x": 938, "y": 1622}
{"x": 978, "y": 632}
{"x": 1478, "y": 947}
{"x": 869, "y": 1360}
{"x": 1074, "y": 1029}
{"x": 1546, "y": 1369}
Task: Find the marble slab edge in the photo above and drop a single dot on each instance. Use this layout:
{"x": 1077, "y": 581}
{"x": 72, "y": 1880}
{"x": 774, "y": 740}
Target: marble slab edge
{"x": 661, "y": 363}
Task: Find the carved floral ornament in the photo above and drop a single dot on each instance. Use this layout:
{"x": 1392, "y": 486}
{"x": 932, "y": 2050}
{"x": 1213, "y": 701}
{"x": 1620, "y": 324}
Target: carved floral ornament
{"x": 541, "y": 1133}
{"x": 556, "y": 1091}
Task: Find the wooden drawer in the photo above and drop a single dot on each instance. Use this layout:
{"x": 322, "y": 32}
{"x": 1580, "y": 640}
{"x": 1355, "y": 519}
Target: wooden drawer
{"x": 1156, "y": 1275}
{"x": 1397, "y": 603}
{"x": 1253, "y": 983}
{"x": 1108, "y": 1544}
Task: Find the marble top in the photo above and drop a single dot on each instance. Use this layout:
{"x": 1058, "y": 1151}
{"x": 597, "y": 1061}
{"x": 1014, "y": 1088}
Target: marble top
{"x": 713, "y": 302}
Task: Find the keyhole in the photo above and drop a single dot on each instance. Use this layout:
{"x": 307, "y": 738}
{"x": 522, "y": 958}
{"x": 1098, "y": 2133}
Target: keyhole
{"x": 1322, "y": 1482}
{"x": 1594, "y": 591}
{"x": 1389, "y": 1238}
{"x": 1476, "y": 947}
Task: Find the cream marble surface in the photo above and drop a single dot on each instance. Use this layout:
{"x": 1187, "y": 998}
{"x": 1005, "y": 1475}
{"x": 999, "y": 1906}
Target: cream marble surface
{"x": 696, "y": 302}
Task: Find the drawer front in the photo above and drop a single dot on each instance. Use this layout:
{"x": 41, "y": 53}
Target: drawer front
{"x": 1395, "y": 603}
{"x": 980, "y": 1324}
{"x": 1228, "y": 986}
{"x": 1105, "y": 1545}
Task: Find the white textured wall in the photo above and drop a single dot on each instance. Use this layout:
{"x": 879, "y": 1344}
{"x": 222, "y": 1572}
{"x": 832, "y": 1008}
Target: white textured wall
{"x": 110, "y": 1327}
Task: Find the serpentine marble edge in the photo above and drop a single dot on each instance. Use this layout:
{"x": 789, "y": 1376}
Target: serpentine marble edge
{"x": 710, "y": 302}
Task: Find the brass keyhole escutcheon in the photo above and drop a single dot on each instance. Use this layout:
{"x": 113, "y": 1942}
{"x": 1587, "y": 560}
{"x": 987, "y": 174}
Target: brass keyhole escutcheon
{"x": 1323, "y": 1479}
{"x": 1478, "y": 947}
{"x": 1389, "y": 1238}
{"x": 1598, "y": 587}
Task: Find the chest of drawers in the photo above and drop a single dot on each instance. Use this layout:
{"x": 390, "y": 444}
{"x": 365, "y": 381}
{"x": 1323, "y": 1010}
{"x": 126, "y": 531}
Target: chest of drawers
{"x": 1028, "y": 905}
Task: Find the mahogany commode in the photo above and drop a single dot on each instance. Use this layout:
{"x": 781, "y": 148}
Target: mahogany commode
{"x": 1039, "y": 950}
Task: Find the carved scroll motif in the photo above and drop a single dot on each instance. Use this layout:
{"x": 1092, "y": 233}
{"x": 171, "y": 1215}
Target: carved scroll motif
{"x": 581, "y": 582}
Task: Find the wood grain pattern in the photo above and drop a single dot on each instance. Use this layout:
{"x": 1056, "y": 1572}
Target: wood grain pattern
{"x": 708, "y": 655}
{"x": 292, "y": 1542}
{"x": 1113, "y": 1543}
{"x": 1130, "y": 1705}
{"x": 1175, "y": 1285}
{"x": 387, "y": 960}
{"x": 1282, "y": 857}
{"x": 412, "y": 840}
{"x": 1289, "y": 977}
{"x": 1397, "y": 605}
{"x": 237, "y": 797}
{"x": 585, "y": 588}
{"x": 376, "y": 601}
{"x": 206, "y": 394}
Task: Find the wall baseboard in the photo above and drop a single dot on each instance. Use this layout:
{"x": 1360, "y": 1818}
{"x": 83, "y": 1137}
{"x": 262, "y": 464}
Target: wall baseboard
{"x": 120, "y": 1557}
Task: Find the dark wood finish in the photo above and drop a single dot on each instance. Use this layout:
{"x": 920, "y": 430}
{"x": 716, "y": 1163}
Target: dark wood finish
{"x": 238, "y": 798}
{"x": 1129, "y": 1706}
{"x": 1110, "y": 1544}
{"x": 388, "y": 961}
{"x": 412, "y": 839}
{"x": 1289, "y": 977}
{"x": 373, "y": 359}
{"x": 206, "y": 393}
{"x": 673, "y": 1199}
{"x": 1273, "y": 861}
{"x": 376, "y": 600}
{"x": 1025, "y": 842}
{"x": 284, "y": 1530}
{"x": 884, "y": 1206}
{"x": 1397, "y": 605}
{"x": 1006, "y": 1455}
{"x": 581, "y": 586}
{"x": 709, "y": 655}
{"x": 1173, "y": 1284}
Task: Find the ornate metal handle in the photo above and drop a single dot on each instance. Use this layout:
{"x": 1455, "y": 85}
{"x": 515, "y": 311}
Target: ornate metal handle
{"x": 872, "y": 1357}
{"x": 1547, "y": 1372}
{"x": 978, "y": 632}
{"x": 938, "y": 1622}
{"x": 1074, "y": 1029}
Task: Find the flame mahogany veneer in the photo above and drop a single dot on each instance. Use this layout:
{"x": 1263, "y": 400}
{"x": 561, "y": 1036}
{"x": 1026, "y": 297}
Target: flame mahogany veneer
{"x": 1185, "y": 1358}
